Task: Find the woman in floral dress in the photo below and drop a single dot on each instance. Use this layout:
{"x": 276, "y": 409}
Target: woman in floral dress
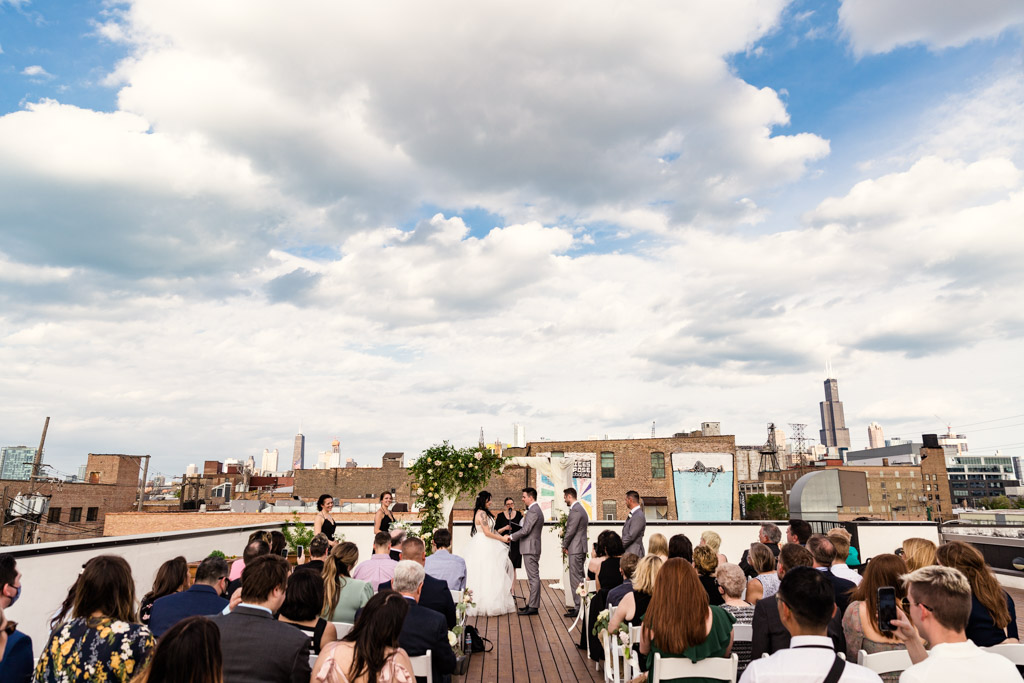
{"x": 103, "y": 642}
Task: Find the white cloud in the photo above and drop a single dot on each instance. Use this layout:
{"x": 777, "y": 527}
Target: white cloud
{"x": 36, "y": 71}
{"x": 874, "y": 27}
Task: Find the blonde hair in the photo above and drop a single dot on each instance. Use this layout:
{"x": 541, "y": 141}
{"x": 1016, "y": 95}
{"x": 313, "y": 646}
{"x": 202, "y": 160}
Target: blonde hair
{"x": 658, "y": 545}
{"x": 705, "y": 559}
{"x": 712, "y": 540}
{"x": 646, "y": 573}
{"x": 944, "y": 590}
{"x": 919, "y": 552}
{"x": 337, "y": 569}
{"x": 841, "y": 542}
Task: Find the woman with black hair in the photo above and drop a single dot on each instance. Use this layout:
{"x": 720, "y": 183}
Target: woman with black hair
{"x": 188, "y": 653}
{"x": 324, "y": 522}
{"x": 171, "y": 577}
{"x": 303, "y": 600}
{"x": 507, "y": 521}
{"x": 369, "y": 653}
{"x": 383, "y": 519}
{"x": 489, "y": 571}
{"x": 608, "y": 577}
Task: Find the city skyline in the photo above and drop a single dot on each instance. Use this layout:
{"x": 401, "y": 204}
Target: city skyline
{"x": 674, "y": 216}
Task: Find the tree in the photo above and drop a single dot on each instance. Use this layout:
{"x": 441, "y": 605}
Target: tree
{"x": 996, "y": 503}
{"x": 766, "y": 506}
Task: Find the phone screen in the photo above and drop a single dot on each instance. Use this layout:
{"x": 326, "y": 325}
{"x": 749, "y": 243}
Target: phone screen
{"x": 302, "y": 551}
{"x": 886, "y": 608}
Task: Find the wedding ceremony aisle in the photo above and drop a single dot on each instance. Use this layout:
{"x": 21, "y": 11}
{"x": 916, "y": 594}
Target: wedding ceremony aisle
{"x": 537, "y": 648}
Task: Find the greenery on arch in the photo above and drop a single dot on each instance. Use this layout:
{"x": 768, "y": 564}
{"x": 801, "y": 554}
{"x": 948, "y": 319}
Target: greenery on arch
{"x": 445, "y": 471}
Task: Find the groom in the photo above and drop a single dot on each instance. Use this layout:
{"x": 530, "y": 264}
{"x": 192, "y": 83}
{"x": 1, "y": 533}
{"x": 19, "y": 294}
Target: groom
{"x": 529, "y": 546}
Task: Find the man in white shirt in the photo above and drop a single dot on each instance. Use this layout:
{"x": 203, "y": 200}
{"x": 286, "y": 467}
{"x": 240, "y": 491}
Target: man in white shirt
{"x": 940, "y": 604}
{"x": 806, "y": 605}
{"x": 840, "y": 538}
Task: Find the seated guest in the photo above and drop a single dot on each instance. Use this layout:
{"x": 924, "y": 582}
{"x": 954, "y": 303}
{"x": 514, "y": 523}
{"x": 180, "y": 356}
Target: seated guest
{"x": 16, "y": 654}
{"x": 680, "y": 546}
{"x": 705, "y": 561}
{"x": 257, "y": 548}
{"x": 798, "y": 532}
{"x": 380, "y": 567}
{"x": 171, "y": 577}
{"x": 398, "y": 537}
{"x": 940, "y": 605}
{"x": 731, "y": 582}
{"x": 993, "y": 613}
{"x": 238, "y": 565}
{"x": 597, "y": 556}
{"x": 278, "y": 544}
{"x": 841, "y": 542}
{"x": 713, "y": 541}
{"x": 824, "y": 554}
{"x": 860, "y": 621}
{"x": 255, "y": 646}
{"x": 917, "y": 553}
{"x": 680, "y": 622}
{"x": 608, "y": 577}
{"x": 103, "y": 636}
{"x": 343, "y": 595}
{"x": 768, "y": 535}
{"x": 770, "y": 634}
{"x": 766, "y": 577}
{"x": 369, "y": 653}
{"x": 658, "y": 545}
{"x": 436, "y": 594}
{"x": 627, "y": 565}
{"x": 301, "y": 608}
{"x": 205, "y": 597}
{"x": 318, "y": 548}
{"x": 443, "y": 565}
{"x": 424, "y": 629}
{"x": 188, "y": 653}
{"x": 633, "y": 605}
{"x": 806, "y": 605}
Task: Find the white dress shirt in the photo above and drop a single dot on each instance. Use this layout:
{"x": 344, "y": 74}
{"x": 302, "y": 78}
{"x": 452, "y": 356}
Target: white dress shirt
{"x": 844, "y": 572}
{"x": 807, "y": 660}
{"x": 961, "y": 662}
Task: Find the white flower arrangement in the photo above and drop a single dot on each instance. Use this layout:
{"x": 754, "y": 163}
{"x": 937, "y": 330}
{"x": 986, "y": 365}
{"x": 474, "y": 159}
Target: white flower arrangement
{"x": 453, "y": 639}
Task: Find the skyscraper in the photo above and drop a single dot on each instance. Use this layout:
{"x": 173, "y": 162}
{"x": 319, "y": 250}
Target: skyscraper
{"x": 834, "y": 433}
{"x": 299, "y": 454}
{"x": 518, "y": 435}
{"x": 876, "y": 437}
{"x": 16, "y": 462}
{"x": 269, "y": 464}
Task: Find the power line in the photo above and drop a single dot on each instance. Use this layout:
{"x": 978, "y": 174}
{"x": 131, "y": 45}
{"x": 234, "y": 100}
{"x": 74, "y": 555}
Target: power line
{"x": 983, "y": 422}
{"x": 1016, "y": 424}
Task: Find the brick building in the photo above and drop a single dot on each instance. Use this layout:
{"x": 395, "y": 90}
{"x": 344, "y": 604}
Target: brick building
{"x": 76, "y": 510}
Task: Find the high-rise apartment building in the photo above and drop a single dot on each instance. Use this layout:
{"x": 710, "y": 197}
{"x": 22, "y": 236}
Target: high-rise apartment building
{"x": 518, "y": 435}
{"x": 876, "y": 436}
{"x": 16, "y": 462}
{"x": 269, "y": 463}
{"x": 299, "y": 453}
{"x": 834, "y": 433}
{"x": 192, "y": 470}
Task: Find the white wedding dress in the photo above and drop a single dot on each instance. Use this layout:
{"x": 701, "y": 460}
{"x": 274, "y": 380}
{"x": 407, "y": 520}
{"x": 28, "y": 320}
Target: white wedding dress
{"x": 489, "y": 574}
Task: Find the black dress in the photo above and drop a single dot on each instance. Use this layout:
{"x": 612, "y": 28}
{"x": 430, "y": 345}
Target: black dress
{"x": 316, "y": 634}
{"x": 609, "y": 577}
{"x": 643, "y": 601}
{"x": 500, "y": 522}
{"x": 711, "y": 588}
{"x": 327, "y": 528}
{"x": 385, "y": 523}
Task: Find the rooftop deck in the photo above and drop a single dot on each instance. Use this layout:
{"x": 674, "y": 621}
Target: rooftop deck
{"x": 535, "y": 648}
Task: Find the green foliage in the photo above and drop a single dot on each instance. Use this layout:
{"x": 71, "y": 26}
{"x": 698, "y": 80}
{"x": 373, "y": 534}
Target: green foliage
{"x": 296, "y": 533}
{"x": 443, "y": 470}
{"x": 996, "y": 503}
{"x": 217, "y": 553}
{"x": 766, "y": 506}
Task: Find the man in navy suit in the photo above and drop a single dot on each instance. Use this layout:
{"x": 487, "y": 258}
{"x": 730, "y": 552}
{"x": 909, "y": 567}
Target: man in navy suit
{"x": 824, "y": 554}
{"x": 424, "y": 629}
{"x": 202, "y": 599}
{"x": 436, "y": 595}
{"x": 16, "y": 666}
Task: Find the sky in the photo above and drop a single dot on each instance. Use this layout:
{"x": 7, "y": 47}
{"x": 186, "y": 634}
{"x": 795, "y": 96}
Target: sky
{"x": 398, "y": 223}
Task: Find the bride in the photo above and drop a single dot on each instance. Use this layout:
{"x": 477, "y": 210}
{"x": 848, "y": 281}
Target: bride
{"x": 489, "y": 571}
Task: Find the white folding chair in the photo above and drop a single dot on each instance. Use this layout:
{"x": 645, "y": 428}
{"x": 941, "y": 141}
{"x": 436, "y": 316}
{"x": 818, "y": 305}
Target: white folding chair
{"x": 1012, "y": 651}
{"x": 885, "y": 662}
{"x": 312, "y": 659}
{"x": 343, "y": 627}
{"x": 717, "y": 668}
{"x": 742, "y": 633}
{"x": 456, "y": 597}
{"x": 632, "y": 656}
{"x": 421, "y": 667}
{"x": 612, "y": 656}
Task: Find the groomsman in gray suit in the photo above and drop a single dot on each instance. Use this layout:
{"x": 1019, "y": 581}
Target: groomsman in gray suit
{"x": 529, "y": 547}
{"x": 574, "y": 544}
{"x": 633, "y": 529}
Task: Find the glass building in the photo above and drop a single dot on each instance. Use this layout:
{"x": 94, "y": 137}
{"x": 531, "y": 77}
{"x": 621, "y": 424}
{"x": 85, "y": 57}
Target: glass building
{"x": 16, "y": 462}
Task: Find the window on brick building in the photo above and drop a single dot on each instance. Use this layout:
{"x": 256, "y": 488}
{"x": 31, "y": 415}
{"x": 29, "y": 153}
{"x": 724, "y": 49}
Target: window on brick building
{"x": 608, "y": 510}
{"x": 608, "y": 465}
{"x": 557, "y": 454}
{"x": 92, "y": 514}
{"x": 657, "y": 465}
{"x": 54, "y": 516}
{"x": 76, "y": 515}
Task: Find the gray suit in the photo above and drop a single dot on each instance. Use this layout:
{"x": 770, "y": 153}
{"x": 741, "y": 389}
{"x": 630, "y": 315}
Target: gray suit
{"x": 257, "y": 647}
{"x": 529, "y": 547}
{"x": 633, "y": 532}
{"x": 575, "y": 544}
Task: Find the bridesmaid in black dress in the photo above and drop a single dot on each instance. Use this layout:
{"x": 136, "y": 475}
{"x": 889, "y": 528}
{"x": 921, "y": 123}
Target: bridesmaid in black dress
{"x": 324, "y": 522}
{"x": 502, "y": 522}
{"x": 383, "y": 520}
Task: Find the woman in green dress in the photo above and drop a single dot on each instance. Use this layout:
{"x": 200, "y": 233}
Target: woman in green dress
{"x": 680, "y": 622}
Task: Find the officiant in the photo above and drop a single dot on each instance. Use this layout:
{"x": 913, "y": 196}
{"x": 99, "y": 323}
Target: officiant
{"x": 507, "y": 521}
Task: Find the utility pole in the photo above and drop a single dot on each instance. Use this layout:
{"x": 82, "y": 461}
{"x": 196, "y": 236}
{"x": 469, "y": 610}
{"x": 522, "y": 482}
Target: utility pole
{"x": 38, "y": 460}
{"x": 142, "y": 486}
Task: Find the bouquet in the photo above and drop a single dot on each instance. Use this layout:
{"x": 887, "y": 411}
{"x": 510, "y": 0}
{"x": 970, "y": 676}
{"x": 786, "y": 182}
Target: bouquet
{"x": 601, "y": 623}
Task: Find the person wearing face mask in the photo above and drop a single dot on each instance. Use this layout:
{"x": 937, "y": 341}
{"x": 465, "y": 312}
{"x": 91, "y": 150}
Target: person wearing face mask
{"x": 16, "y": 665}
{"x": 507, "y": 521}
{"x": 204, "y": 598}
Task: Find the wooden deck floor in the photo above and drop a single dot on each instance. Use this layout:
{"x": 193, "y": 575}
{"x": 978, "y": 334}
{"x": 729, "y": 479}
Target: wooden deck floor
{"x": 537, "y": 648}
